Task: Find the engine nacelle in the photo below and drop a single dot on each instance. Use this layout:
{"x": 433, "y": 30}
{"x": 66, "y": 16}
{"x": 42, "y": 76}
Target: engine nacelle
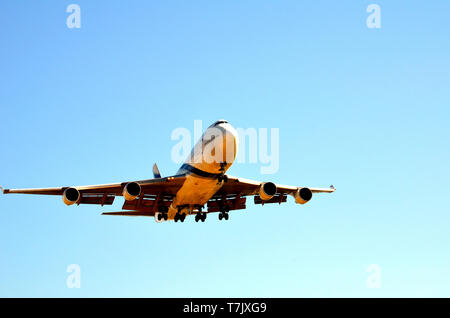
{"x": 131, "y": 191}
{"x": 71, "y": 196}
{"x": 303, "y": 195}
{"x": 267, "y": 190}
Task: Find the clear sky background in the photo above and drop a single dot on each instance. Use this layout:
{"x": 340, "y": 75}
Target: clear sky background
{"x": 364, "y": 109}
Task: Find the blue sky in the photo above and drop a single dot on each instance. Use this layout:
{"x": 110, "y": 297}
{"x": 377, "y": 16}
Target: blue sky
{"x": 364, "y": 109}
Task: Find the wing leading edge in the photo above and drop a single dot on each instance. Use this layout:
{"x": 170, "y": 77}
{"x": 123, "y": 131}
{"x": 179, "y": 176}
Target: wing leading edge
{"x": 250, "y": 187}
{"x": 104, "y": 194}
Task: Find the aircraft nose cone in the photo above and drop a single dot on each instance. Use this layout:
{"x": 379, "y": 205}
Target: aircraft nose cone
{"x": 232, "y": 140}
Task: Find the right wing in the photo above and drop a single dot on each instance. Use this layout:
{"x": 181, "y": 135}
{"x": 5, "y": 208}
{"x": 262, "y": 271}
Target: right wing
{"x": 163, "y": 189}
{"x": 234, "y": 192}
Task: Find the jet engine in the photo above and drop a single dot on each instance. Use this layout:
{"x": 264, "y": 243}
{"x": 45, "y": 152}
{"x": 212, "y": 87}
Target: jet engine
{"x": 303, "y": 195}
{"x": 131, "y": 191}
{"x": 71, "y": 196}
{"x": 267, "y": 190}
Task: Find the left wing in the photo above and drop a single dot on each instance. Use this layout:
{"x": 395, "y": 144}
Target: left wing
{"x": 249, "y": 187}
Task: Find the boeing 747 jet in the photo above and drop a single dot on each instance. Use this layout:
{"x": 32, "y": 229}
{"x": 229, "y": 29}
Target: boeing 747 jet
{"x": 200, "y": 186}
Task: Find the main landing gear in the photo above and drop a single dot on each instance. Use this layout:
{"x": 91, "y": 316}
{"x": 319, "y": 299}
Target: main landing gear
{"x": 163, "y": 213}
{"x": 180, "y": 216}
{"x": 224, "y": 213}
{"x": 200, "y": 216}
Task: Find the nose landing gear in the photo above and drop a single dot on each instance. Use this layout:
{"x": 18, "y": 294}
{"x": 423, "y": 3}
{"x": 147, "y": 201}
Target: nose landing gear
{"x": 222, "y": 177}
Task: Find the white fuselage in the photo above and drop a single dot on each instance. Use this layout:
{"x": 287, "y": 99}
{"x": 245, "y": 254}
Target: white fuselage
{"x": 213, "y": 154}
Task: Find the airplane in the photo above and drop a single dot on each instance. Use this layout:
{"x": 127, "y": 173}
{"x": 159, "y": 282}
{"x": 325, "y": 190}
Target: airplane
{"x": 200, "y": 181}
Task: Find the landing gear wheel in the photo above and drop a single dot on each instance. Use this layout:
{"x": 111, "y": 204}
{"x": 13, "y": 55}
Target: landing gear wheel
{"x": 163, "y": 216}
{"x": 222, "y": 178}
{"x": 200, "y": 217}
{"x": 223, "y": 215}
{"x": 180, "y": 217}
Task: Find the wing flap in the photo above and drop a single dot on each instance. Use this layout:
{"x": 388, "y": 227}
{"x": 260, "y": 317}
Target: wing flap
{"x": 148, "y": 202}
{"x": 130, "y": 213}
{"x": 97, "y": 198}
{"x": 277, "y": 198}
{"x": 232, "y": 202}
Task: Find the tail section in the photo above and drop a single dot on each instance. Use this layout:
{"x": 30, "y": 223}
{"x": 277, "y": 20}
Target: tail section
{"x": 156, "y": 172}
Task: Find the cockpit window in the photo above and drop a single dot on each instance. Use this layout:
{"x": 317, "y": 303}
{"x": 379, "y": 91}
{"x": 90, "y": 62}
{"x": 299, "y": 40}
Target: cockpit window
{"x": 219, "y": 122}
